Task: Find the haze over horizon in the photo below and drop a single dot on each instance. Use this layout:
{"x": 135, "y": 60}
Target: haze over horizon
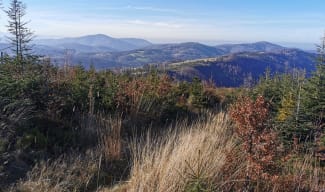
{"x": 288, "y": 22}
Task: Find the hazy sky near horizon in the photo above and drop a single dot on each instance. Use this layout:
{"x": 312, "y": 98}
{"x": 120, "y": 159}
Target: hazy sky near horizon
{"x": 298, "y": 21}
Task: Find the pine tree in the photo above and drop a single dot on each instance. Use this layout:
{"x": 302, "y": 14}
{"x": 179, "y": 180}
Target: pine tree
{"x": 21, "y": 35}
{"x": 314, "y": 103}
{"x": 197, "y": 92}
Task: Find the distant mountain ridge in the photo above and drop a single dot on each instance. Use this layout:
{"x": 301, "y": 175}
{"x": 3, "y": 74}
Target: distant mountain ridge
{"x": 96, "y": 43}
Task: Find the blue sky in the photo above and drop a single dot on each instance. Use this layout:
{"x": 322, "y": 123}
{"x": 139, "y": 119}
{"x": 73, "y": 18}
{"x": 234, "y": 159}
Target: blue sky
{"x": 207, "y": 21}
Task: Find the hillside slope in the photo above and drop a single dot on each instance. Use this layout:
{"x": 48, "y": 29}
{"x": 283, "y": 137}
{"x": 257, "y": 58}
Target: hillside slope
{"x": 261, "y": 46}
{"x": 233, "y": 70}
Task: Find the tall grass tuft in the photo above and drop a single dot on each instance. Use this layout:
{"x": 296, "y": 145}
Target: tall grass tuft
{"x": 110, "y": 139}
{"x": 187, "y": 159}
{"x": 104, "y": 131}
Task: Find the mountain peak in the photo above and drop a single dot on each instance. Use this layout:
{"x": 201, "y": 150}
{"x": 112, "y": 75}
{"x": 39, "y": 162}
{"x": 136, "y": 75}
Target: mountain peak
{"x": 96, "y": 36}
{"x": 266, "y": 43}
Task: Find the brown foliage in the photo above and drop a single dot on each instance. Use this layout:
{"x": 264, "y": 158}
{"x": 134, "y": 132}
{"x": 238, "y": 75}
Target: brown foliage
{"x": 259, "y": 141}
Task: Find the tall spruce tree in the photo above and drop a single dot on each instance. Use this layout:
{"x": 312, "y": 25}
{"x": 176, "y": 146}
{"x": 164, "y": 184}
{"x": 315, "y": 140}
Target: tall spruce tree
{"x": 21, "y": 35}
{"x": 315, "y": 93}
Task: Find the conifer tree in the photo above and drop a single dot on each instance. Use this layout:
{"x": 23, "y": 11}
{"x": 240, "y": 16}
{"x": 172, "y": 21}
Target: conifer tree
{"x": 197, "y": 90}
{"x": 21, "y": 35}
{"x": 314, "y": 103}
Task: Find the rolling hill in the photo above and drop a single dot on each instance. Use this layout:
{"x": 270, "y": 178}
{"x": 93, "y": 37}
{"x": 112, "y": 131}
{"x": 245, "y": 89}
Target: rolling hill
{"x": 261, "y": 46}
{"x": 234, "y": 69}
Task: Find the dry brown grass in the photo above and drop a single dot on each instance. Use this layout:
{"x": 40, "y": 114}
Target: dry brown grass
{"x": 105, "y": 131}
{"x": 110, "y": 139}
{"x": 188, "y": 158}
{"x": 68, "y": 173}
